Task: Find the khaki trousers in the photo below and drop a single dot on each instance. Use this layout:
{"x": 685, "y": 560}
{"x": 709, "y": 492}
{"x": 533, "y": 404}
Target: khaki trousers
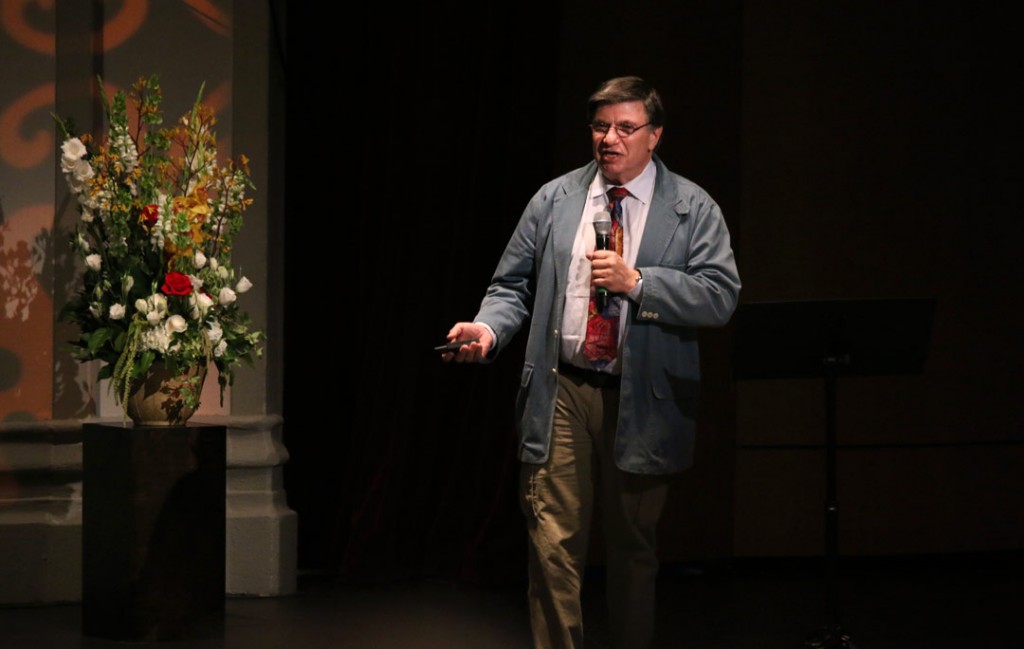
{"x": 558, "y": 500}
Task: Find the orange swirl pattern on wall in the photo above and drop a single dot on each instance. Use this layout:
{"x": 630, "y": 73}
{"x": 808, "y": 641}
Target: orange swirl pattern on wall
{"x": 28, "y": 153}
{"x": 26, "y": 150}
{"x": 14, "y": 18}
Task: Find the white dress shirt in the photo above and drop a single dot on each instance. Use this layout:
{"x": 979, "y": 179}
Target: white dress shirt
{"x": 578, "y": 291}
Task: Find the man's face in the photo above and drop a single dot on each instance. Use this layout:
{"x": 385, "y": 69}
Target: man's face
{"x": 623, "y": 157}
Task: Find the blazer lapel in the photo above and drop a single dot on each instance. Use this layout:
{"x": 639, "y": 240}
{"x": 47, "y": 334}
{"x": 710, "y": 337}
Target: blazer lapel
{"x": 667, "y": 208}
{"x": 567, "y": 210}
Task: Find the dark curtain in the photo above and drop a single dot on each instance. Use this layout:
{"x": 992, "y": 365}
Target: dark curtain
{"x": 416, "y": 136}
{"x": 399, "y": 207}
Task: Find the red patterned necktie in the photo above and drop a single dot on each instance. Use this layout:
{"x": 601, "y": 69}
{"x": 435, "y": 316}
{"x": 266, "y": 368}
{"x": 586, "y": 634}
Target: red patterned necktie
{"x": 602, "y": 342}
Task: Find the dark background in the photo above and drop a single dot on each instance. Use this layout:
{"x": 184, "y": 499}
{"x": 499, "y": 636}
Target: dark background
{"x": 858, "y": 150}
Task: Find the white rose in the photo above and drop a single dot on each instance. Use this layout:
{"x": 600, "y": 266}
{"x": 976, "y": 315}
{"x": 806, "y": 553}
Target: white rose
{"x": 154, "y": 317}
{"x": 176, "y": 324}
{"x": 214, "y": 263}
{"x": 221, "y": 347}
{"x": 94, "y": 261}
{"x": 140, "y": 305}
{"x": 200, "y": 259}
{"x": 159, "y": 302}
{"x": 227, "y": 296}
{"x": 222, "y": 272}
{"x": 116, "y": 311}
{"x": 243, "y": 285}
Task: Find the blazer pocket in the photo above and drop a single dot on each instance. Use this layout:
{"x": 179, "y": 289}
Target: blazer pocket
{"x": 677, "y": 388}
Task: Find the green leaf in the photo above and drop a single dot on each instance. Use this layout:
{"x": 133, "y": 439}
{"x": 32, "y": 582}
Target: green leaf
{"x": 145, "y": 362}
{"x": 97, "y": 339}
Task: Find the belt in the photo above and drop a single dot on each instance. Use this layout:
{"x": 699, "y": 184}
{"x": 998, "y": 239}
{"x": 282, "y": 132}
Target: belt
{"x": 592, "y": 378}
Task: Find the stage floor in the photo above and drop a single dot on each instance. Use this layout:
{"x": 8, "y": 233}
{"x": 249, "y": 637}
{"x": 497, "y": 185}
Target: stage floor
{"x": 950, "y": 602}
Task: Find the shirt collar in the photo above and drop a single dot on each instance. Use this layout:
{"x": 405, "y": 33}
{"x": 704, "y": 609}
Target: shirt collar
{"x": 641, "y": 187}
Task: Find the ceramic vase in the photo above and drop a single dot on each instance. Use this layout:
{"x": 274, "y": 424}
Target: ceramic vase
{"x": 157, "y": 400}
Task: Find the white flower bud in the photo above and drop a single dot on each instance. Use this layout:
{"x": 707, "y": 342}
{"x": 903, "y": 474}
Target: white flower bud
{"x": 159, "y": 302}
{"x": 226, "y": 297}
{"x": 204, "y": 301}
{"x": 201, "y": 303}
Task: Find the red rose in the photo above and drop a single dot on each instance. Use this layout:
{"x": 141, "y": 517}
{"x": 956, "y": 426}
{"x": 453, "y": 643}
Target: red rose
{"x": 176, "y": 283}
{"x": 150, "y": 213}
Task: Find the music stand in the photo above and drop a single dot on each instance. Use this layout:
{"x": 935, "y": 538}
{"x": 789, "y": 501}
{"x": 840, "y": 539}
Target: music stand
{"x": 827, "y": 339}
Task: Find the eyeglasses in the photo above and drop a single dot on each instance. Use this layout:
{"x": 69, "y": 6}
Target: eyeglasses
{"x": 624, "y": 130}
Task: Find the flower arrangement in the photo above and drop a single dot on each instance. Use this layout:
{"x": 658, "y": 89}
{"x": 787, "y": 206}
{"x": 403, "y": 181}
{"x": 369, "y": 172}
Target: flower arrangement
{"x": 158, "y": 216}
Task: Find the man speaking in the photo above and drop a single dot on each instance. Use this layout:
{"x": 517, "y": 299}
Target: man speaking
{"x": 606, "y": 409}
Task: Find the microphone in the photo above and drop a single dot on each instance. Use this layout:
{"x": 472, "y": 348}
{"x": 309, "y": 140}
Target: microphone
{"x": 603, "y": 236}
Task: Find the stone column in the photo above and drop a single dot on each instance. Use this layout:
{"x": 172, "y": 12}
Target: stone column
{"x": 262, "y": 532}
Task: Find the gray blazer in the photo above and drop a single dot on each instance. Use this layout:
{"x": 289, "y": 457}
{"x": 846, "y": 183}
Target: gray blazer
{"x": 689, "y": 280}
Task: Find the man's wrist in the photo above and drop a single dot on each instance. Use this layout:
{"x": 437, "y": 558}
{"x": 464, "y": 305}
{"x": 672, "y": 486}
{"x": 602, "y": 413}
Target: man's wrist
{"x": 637, "y": 290}
{"x": 490, "y": 330}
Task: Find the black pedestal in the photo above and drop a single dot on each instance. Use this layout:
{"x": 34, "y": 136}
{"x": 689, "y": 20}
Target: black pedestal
{"x": 153, "y": 538}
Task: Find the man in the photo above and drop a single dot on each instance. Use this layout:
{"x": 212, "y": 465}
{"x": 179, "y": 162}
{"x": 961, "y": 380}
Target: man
{"x": 607, "y": 420}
